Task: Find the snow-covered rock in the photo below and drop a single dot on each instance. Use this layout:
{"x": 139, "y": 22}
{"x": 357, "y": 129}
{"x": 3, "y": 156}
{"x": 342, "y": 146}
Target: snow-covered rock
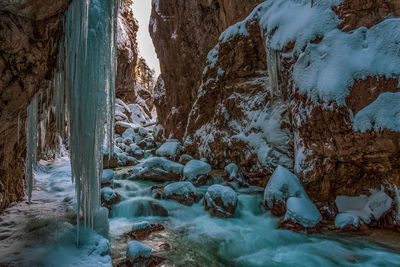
{"x": 158, "y": 169}
{"x": 131, "y": 161}
{"x": 136, "y": 151}
{"x": 301, "y": 210}
{"x": 183, "y": 192}
{"x": 345, "y": 219}
{"x": 282, "y": 185}
{"x": 170, "y": 149}
{"x": 109, "y": 197}
{"x": 140, "y": 225}
{"x": 360, "y": 210}
{"x": 220, "y": 201}
{"x": 185, "y": 158}
{"x": 138, "y": 253}
{"x": 107, "y": 177}
{"x": 196, "y": 171}
{"x": 234, "y": 175}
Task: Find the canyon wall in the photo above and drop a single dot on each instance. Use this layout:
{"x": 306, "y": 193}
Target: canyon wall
{"x": 315, "y": 89}
{"x": 183, "y": 32}
{"x": 29, "y": 35}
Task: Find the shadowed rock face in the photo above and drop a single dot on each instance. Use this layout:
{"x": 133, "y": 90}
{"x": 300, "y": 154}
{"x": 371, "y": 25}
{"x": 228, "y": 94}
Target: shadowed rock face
{"x": 357, "y": 13}
{"x": 127, "y": 54}
{"x": 29, "y": 33}
{"x": 183, "y": 32}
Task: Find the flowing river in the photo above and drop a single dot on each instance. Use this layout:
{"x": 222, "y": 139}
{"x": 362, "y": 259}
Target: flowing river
{"x": 251, "y": 238}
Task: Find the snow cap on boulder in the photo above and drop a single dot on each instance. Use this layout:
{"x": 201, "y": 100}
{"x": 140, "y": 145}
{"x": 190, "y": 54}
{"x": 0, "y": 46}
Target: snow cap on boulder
{"x": 136, "y": 249}
{"x": 171, "y": 149}
{"x": 180, "y": 188}
{"x": 301, "y": 210}
{"x": 194, "y": 170}
{"x": 107, "y": 176}
{"x": 220, "y": 201}
{"x": 282, "y": 185}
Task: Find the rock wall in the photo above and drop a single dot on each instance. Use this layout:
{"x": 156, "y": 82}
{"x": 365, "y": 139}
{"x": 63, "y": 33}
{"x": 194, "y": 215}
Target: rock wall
{"x": 29, "y": 33}
{"x": 183, "y": 32}
{"x": 127, "y": 54}
{"x": 273, "y": 93}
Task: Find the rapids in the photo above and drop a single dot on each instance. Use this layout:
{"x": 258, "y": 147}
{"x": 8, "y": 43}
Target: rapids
{"x": 251, "y": 238}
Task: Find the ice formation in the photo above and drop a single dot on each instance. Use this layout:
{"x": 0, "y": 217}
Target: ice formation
{"x": 31, "y": 143}
{"x": 84, "y": 93}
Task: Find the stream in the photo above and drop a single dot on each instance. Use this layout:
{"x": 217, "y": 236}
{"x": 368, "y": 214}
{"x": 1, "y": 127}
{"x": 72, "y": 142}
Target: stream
{"x": 251, "y": 238}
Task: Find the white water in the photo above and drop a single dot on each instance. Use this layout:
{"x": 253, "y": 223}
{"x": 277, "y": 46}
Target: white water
{"x": 251, "y": 238}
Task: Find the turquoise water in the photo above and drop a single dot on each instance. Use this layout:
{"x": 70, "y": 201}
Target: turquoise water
{"x": 251, "y": 238}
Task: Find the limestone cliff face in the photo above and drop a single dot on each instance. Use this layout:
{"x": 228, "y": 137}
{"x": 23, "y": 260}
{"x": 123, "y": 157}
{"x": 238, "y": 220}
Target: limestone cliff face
{"x": 183, "y": 32}
{"x": 272, "y": 93}
{"x": 127, "y": 54}
{"x": 29, "y": 33}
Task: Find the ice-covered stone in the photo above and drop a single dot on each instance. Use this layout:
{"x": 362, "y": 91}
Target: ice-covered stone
{"x": 220, "y": 201}
{"x": 136, "y": 249}
{"x": 379, "y": 203}
{"x": 282, "y": 185}
{"x": 361, "y": 209}
{"x": 159, "y": 169}
{"x": 185, "y": 158}
{"x": 107, "y": 177}
{"x": 195, "y": 171}
{"x": 344, "y": 219}
{"x": 180, "y": 188}
{"x": 301, "y": 210}
{"x": 170, "y": 149}
{"x": 232, "y": 169}
{"x": 136, "y": 151}
{"x": 108, "y": 194}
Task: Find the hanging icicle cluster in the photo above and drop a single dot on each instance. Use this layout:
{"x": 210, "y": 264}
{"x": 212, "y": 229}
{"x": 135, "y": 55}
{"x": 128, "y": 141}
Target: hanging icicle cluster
{"x": 31, "y": 143}
{"x": 84, "y": 94}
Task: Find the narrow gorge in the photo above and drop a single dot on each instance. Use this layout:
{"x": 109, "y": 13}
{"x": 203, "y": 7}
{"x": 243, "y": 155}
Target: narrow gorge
{"x": 266, "y": 134}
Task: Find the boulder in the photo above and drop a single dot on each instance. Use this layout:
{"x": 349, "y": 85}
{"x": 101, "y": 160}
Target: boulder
{"x": 107, "y": 177}
{"x": 220, "y": 201}
{"x": 281, "y": 186}
{"x": 136, "y": 151}
{"x": 157, "y": 169}
{"x": 137, "y": 253}
{"x": 183, "y": 192}
{"x": 185, "y": 158}
{"x": 357, "y": 211}
{"x": 301, "y": 210}
{"x": 171, "y": 149}
{"x": 233, "y": 175}
{"x": 197, "y": 172}
{"x": 109, "y": 197}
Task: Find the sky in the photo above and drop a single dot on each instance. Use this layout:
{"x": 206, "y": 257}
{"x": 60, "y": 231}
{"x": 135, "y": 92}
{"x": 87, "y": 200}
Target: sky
{"x": 141, "y": 11}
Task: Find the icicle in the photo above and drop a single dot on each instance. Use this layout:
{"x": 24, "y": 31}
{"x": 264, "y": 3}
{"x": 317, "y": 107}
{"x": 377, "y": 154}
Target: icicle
{"x": 42, "y": 134}
{"x": 397, "y": 203}
{"x": 84, "y": 93}
{"x": 31, "y": 143}
{"x": 273, "y": 64}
